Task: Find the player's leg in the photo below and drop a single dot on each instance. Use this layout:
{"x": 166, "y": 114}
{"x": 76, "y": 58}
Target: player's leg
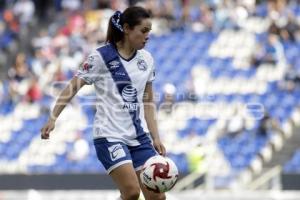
{"x": 117, "y": 160}
{"x": 139, "y": 156}
{"x": 125, "y": 178}
{"x": 150, "y": 195}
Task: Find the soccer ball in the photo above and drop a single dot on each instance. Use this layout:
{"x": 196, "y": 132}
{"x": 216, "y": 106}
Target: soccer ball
{"x": 159, "y": 174}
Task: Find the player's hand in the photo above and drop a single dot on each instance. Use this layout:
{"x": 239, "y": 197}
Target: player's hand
{"x": 160, "y": 148}
{"x": 48, "y": 127}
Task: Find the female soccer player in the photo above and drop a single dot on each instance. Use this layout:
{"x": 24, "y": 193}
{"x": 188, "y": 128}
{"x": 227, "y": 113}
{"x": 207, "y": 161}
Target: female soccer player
{"x": 125, "y": 131}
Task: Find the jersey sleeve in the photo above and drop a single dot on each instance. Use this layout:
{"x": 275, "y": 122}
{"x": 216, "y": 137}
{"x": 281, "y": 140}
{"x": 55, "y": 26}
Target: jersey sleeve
{"x": 89, "y": 70}
{"x": 152, "y": 70}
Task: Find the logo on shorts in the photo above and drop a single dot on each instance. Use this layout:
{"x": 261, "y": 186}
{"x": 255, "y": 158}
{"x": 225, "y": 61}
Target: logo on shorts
{"x": 116, "y": 152}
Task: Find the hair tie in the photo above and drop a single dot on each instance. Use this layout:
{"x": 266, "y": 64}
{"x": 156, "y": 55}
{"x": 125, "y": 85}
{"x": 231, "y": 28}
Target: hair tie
{"x": 116, "y": 20}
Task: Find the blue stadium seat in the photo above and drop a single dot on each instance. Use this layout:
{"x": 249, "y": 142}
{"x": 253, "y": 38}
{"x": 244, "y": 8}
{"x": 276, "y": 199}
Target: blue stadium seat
{"x": 293, "y": 165}
{"x": 181, "y": 162}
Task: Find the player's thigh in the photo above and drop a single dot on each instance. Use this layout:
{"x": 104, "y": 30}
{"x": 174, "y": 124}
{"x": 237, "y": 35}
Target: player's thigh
{"x": 141, "y": 153}
{"x": 125, "y": 178}
{"x": 150, "y": 195}
{"x": 117, "y": 161}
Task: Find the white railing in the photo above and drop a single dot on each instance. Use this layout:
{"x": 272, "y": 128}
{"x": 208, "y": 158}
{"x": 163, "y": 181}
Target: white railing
{"x": 271, "y": 179}
{"x": 188, "y": 182}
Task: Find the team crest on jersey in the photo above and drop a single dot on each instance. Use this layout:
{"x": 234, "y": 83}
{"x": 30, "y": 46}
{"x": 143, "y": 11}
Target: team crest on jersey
{"x": 142, "y": 65}
{"x": 114, "y": 64}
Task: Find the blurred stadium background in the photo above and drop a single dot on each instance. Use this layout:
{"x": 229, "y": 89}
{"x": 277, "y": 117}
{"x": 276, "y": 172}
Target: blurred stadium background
{"x": 227, "y": 92}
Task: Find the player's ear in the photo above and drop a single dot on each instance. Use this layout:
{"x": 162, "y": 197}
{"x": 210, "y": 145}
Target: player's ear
{"x": 126, "y": 28}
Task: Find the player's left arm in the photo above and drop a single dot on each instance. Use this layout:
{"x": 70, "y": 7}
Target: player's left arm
{"x": 150, "y": 116}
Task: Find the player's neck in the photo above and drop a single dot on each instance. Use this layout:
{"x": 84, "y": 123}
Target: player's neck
{"x": 125, "y": 50}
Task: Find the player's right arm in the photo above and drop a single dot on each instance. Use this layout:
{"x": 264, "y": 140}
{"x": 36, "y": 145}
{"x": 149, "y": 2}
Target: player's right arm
{"x": 88, "y": 73}
{"x": 64, "y": 98}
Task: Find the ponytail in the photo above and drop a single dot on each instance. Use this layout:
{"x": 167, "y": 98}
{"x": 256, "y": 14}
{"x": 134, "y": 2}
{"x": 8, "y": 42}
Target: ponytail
{"x": 115, "y": 28}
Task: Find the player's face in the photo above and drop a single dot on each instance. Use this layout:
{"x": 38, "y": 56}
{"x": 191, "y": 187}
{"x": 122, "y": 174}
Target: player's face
{"x": 139, "y": 35}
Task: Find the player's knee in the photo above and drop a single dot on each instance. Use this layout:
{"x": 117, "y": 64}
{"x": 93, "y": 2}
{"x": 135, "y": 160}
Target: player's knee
{"x": 156, "y": 196}
{"x": 132, "y": 194}
{"x": 161, "y": 196}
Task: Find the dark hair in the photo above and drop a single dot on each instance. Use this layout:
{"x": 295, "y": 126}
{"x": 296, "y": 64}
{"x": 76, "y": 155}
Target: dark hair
{"x": 131, "y": 16}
